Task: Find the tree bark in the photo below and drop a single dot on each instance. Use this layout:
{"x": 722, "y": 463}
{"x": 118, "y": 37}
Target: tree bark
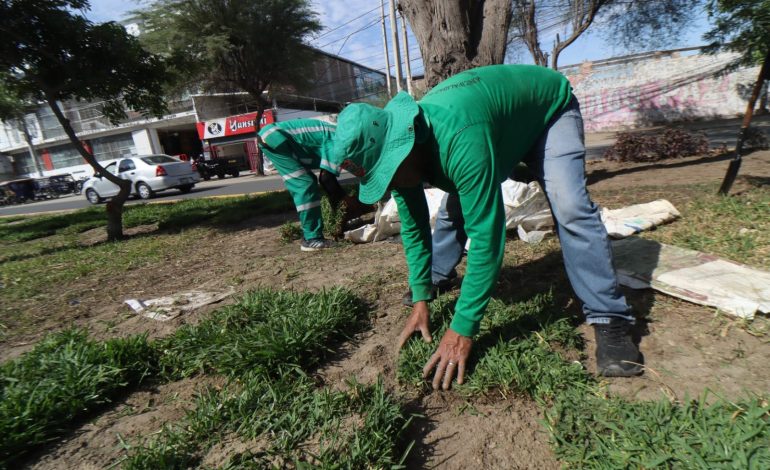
{"x": 115, "y": 205}
{"x": 456, "y": 35}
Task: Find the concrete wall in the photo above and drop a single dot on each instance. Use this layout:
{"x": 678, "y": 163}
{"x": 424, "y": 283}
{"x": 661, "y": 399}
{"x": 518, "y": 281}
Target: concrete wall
{"x": 659, "y": 87}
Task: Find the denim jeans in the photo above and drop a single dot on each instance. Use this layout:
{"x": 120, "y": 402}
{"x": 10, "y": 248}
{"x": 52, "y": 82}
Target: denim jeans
{"x": 558, "y": 162}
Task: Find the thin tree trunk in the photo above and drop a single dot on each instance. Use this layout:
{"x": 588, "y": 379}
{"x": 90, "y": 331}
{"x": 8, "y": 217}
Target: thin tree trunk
{"x": 30, "y": 146}
{"x": 258, "y": 126}
{"x": 735, "y": 163}
{"x": 115, "y": 205}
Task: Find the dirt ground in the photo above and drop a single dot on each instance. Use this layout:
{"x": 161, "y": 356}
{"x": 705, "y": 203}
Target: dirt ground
{"x": 686, "y": 348}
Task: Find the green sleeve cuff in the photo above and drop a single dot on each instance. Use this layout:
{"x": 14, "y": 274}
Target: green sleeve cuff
{"x": 421, "y": 292}
{"x": 463, "y": 326}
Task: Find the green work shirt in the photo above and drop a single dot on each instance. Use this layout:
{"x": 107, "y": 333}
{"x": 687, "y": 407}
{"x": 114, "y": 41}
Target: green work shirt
{"x": 478, "y": 124}
{"x": 311, "y": 141}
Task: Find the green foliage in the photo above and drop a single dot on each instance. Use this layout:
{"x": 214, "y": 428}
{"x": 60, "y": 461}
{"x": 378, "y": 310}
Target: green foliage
{"x": 267, "y": 329}
{"x": 248, "y": 45}
{"x": 62, "y": 379}
{"x": 742, "y": 26}
{"x": 51, "y": 52}
{"x": 671, "y": 143}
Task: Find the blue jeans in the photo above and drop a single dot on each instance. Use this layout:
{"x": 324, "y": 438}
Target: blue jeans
{"x": 558, "y": 162}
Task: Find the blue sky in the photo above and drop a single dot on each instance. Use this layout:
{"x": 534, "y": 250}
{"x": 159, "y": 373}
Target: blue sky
{"x": 361, "y": 39}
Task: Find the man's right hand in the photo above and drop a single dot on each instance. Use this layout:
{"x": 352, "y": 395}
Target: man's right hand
{"x": 417, "y": 321}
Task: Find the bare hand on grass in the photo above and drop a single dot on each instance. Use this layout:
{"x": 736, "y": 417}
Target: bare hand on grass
{"x": 450, "y": 357}
{"x": 417, "y": 321}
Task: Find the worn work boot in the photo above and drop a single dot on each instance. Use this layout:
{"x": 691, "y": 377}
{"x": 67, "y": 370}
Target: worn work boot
{"x": 441, "y": 287}
{"x": 616, "y": 353}
{"x": 315, "y": 244}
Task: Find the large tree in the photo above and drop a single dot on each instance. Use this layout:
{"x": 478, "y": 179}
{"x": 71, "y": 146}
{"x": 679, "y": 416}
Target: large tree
{"x": 457, "y": 35}
{"x": 51, "y": 53}
{"x": 633, "y": 24}
{"x": 226, "y": 45}
{"x": 741, "y": 26}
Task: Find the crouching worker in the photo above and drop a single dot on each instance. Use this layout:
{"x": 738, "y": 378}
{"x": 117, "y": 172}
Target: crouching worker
{"x": 465, "y": 137}
{"x": 296, "y": 148}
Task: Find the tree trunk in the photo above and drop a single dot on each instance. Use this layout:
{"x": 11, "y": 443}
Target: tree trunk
{"x": 260, "y": 163}
{"x": 30, "y": 146}
{"x": 456, "y": 35}
{"x": 115, "y": 205}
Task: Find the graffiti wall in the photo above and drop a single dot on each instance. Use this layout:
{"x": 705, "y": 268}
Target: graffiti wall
{"x": 660, "y": 87}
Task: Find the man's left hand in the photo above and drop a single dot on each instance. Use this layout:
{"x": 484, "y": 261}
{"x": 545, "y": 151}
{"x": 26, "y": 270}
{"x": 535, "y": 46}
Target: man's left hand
{"x": 451, "y": 357}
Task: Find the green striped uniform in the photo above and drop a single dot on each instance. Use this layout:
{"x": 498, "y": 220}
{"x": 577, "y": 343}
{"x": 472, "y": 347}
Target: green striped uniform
{"x": 296, "y": 148}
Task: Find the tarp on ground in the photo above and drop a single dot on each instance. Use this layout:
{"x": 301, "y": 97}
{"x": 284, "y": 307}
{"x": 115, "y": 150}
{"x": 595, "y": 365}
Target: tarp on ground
{"x": 697, "y": 277}
{"x": 527, "y": 211}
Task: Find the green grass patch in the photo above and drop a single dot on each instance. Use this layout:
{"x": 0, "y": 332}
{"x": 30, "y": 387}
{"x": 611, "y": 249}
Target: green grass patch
{"x": 171, "y": 216}
{"x": 291, "y": 422}
{"x": 267, "y": 329}
{"x": 64, "y": 378}
{"x": 264, "y": 344}
{"x": 522, "y": 348}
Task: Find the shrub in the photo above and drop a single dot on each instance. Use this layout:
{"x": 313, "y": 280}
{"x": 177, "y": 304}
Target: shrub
{"x": 671, "y": 143}
{"x": 756, "y": 139}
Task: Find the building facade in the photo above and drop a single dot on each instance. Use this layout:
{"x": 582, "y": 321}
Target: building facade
{"x": 337, "y": 81}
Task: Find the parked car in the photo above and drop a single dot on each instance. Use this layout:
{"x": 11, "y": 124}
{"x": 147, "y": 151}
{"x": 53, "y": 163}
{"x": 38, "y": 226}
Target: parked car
{"x": 148, "y": 174}
{"x": 219, "y": 167}
{"x": 63, "y": 184}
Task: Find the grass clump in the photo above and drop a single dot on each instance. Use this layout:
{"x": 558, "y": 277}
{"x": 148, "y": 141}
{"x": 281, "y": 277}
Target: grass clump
{"x": 292, "y": 423}
{"x": 290, "y": 232}
{"x": 62, "y": 379}
{"x": 267, "y": 329}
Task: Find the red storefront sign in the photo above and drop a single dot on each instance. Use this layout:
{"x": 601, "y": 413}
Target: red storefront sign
{"x": 232, "y": 125}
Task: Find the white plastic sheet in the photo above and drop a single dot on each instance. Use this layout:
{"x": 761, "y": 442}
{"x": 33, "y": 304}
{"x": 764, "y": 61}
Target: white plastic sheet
{"x": 624, "y": 222}
{"x": 169, "y": 307}
{"x": 697, "y": 277}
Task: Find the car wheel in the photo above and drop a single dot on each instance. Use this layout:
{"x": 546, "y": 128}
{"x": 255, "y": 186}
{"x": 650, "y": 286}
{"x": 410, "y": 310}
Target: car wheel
{"x": 93, "y": 197}
{"x": 186, "y": 188}
{"x": 235, "y": 173}
{"x": 144, "y": 191}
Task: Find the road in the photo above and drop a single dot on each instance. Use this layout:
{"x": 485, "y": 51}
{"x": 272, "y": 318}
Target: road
{"x": 245, "y": 184}
{"x": 718, "y": 131}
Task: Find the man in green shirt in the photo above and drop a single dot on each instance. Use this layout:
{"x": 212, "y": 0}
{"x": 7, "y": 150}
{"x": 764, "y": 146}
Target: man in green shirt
{"x": 296, "y": 148}
{"x": 465, "y": 137}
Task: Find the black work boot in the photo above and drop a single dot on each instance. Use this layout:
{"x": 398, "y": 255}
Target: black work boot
{"x": 616, "y": 353}
{"x": 436, "y": 290}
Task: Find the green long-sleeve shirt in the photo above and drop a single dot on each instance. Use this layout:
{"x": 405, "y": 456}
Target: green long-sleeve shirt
{"x": 478, "y": 124}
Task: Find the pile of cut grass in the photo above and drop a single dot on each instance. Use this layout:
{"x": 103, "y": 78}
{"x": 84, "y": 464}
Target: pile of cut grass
{"x": 520, "y": 349}
{"x": 64, "y": 378}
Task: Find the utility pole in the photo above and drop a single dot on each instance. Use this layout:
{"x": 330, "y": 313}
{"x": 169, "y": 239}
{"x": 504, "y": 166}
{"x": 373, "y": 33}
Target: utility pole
{"x": 385, "y": 45}
{"x": 30, "y": 146}
{"x": 396, "y": 50}
{"x": 406, "y": 57}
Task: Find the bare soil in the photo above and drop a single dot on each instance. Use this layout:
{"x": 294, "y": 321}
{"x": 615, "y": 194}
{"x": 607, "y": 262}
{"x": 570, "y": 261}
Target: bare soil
{"x": 686, "y": 348}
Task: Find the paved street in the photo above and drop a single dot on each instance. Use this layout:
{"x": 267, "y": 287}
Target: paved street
{"x": 718, "y": 132}
{"x": 245, "y": 184}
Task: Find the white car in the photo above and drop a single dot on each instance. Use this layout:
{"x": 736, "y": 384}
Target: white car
{"x": 148, "y": 174}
